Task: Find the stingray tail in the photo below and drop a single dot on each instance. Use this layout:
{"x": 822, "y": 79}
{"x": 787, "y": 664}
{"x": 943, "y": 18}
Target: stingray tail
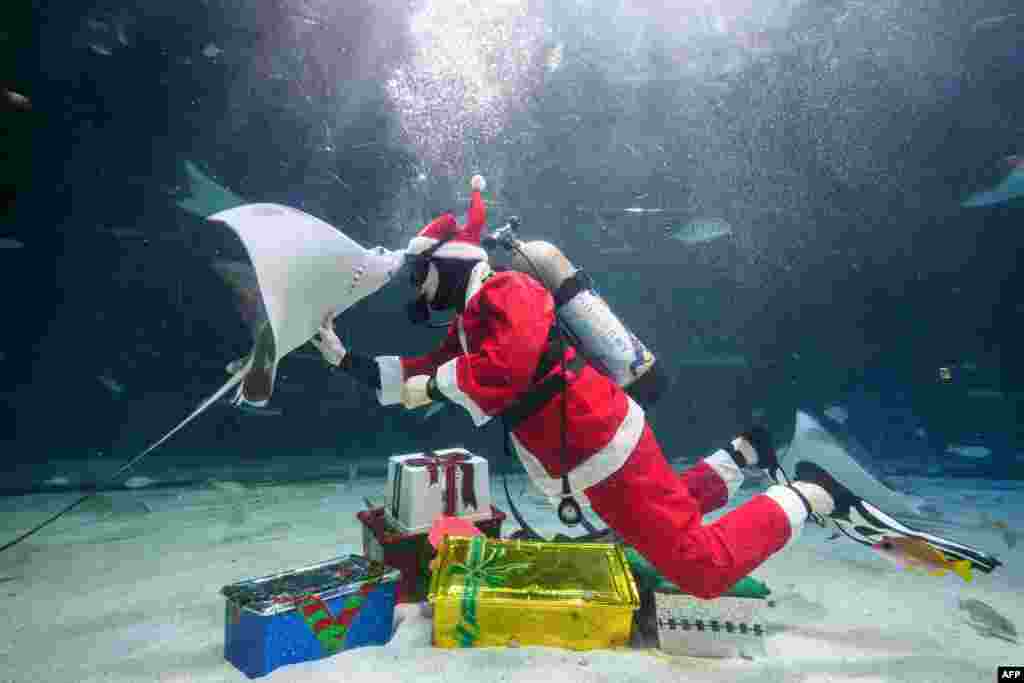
{"x": 217, "y": 395}
{"x": 220, "y": 393}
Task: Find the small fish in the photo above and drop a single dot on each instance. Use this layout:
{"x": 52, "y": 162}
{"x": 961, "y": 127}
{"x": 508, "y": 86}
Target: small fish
{"x": 617, "y": 251}
{"x": 990, "y": 22}
{"x": 945, "y": 375}
{"x": 837, "y": 414}
{"x": 212, "y": 51}
{"x": 984, "y": 619}
{"x": 122, "y": 35}
{"x": 976, "y": 452}
{"x": 637, "y": 209}
{"x": 139, "y": 482}
{"x": 916, "y": 554}
{"x": 9, "y": 243}
{"x": 111, "y": 384}
{"x": 985, "y": 394}
{"x": 101, "y": 50}
{"x": 127, "y": 233}
{"x": 921, "y": 433}
{"x": 699, "y": 231}
{"x": 15, "y": 101}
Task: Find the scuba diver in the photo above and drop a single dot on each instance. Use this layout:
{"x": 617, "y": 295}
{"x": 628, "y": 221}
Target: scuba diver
{"x": 580, "y": 430}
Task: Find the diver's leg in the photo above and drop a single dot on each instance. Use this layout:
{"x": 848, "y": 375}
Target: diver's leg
{"x": 648, "y": 505}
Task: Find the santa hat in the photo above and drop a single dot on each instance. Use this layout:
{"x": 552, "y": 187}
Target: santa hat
{"x": 463, "y": 243}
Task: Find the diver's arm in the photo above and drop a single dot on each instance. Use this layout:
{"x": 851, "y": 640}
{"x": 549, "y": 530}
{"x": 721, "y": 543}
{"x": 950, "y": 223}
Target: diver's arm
{"x": 360, "y": 367}
{"x": 395, "y": 370}
{"x": 384, "y": 374}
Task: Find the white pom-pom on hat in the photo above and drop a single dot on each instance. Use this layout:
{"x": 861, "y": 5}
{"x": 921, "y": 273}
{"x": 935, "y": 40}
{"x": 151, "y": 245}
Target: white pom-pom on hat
{"x": 478, "y": 183}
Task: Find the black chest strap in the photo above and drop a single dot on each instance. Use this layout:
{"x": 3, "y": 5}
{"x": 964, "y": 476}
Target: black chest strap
{"x": 543, "y": 388}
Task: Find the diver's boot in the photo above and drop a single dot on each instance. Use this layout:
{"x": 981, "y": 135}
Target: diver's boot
{"x": 856, "y": 518}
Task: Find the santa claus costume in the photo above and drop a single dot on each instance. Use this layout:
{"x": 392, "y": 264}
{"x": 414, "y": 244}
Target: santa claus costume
{"x": 497, "y": 348}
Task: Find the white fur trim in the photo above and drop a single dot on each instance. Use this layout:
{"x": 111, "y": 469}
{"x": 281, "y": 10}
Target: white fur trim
{"x": 794, "y": 508}
{"x": 448, "y": 385}
{"x": 594, "y": 469}
{"x": 457, "y": 249}
{"x": 478, "y": 183}
{"x": 391, "y": 378}
{"x": 419, "y": 244}
{"x": 725, "y": 467}
{"x": 476, "y": 281}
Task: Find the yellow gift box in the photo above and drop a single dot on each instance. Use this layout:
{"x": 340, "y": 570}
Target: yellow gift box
{"x": 491, "y": 593}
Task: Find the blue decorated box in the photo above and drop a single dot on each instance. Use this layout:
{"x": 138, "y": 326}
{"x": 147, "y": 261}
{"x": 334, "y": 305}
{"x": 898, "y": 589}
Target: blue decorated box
{"x": 308, "y": 613}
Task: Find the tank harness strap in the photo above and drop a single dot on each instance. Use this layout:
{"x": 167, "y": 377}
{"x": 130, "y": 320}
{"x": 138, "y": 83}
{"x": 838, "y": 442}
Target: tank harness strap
{"x": 542, "y": 390}
{"x": 572, "y": 286}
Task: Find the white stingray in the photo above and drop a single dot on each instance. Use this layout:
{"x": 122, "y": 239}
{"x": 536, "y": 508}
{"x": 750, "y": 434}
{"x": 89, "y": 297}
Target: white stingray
{"x": 813, "y": 443}
{"x": 305, "y": 269}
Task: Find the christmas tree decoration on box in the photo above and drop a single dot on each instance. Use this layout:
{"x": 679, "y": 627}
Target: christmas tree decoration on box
{"x": 410, "y": 553}
{"x": 489, "y": 593}
{"x": 308, "y": 613}
{"x": 422, "y": 486}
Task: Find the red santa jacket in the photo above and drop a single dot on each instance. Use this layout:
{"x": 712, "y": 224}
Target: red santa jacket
{"x": 488, "y": 361}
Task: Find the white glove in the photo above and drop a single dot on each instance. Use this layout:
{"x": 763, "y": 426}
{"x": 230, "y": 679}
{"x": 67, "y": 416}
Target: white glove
{"x": 414, "y": 392}
{"x": 329, "y": 345}
{"x": 478, "y": 183}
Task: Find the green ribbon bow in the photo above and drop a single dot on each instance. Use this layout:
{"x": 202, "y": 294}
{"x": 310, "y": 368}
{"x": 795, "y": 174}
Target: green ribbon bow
{"x": 481, "y": 568}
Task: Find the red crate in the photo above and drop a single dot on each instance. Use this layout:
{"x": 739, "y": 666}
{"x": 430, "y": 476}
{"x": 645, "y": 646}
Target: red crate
{"x": 410, "y": 553}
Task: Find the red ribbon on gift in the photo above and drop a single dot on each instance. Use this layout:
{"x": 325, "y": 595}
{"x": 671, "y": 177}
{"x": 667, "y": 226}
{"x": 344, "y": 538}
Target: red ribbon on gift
{"x": 434, "y": 462}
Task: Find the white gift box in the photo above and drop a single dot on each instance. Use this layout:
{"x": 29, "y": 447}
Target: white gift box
{"x": 723, "y": 627}
{"x": 423, "y": 486}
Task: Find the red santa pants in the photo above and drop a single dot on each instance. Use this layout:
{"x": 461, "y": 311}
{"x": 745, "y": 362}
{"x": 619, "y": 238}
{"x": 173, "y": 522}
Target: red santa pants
{"x": 658, "y": 511}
